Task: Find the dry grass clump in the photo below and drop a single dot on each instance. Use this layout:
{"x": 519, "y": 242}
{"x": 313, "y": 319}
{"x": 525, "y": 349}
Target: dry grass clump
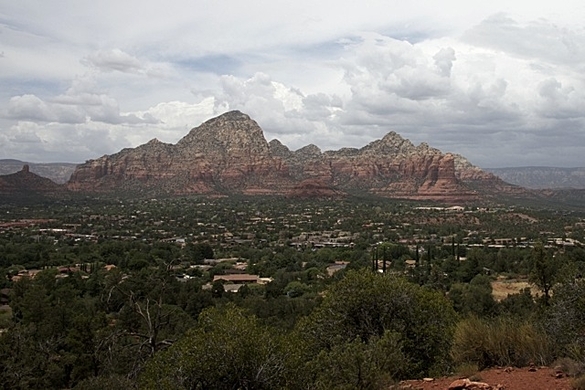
{"x": 569, "y": 367}
{"x": 578, "y": 383}
{"x": 500, "y": 342}
{"x": 573, "y": 368}
{"x": 466, "y": 370}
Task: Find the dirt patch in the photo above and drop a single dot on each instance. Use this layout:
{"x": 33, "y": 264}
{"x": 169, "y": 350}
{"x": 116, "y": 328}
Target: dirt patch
{"x": 501, "y": 288}
{"x": 543, "y": 378}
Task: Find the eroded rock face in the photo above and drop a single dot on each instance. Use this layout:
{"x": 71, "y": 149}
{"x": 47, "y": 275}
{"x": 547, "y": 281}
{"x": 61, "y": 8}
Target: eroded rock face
{"x": 229, "y": 154}
{"x": 224, "y": 155}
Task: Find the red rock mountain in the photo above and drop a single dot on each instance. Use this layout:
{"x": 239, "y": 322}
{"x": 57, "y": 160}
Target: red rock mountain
{"x": 229, "y": 155}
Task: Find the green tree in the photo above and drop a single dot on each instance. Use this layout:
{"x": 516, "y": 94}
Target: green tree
{"x": 366, "y": 306}
{"x": 227, "y": 350}
{"x": 474, "y": 298}
{"x": 296, "y": 289}
{"x": 544, "y": 271}
{"x": 565, "y": 319}
{"x": 519, "y": 305}
{"x": 56, "y": 338}
{"x": 199, "y": 252}
{"x": 357, "y": 365}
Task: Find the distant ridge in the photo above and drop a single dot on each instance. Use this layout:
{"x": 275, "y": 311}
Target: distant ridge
{"x": 57, "y": 172}
{"x": 542, "y": 177}
{"x": 27, "y": 184}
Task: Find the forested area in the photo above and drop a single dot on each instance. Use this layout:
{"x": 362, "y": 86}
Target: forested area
{"x": 156, "y": 318}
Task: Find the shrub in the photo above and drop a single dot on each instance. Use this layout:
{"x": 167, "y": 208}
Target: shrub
{"x": 228, "y": 349}
{"x": 366, "y": 306}
{"x": 569, "y": 366}
{"x": 565, "y": 321}
{"x": 105, "y": 382}
{"x": 466, "y": 370}
{"x": 357, "y": 365}
{"x": 500, "y": 342}
{"x": 578, "y": 383}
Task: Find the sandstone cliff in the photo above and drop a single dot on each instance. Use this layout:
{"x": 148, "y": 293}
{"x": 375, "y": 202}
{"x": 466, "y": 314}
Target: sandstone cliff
{"x": 229, "y": 154}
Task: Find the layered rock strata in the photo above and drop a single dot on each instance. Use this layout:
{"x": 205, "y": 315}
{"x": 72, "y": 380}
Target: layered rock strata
{"x": 229, "y": 155}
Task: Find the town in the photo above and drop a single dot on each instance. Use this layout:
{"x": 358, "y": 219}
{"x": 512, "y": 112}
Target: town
{"x": 142, "y": 271}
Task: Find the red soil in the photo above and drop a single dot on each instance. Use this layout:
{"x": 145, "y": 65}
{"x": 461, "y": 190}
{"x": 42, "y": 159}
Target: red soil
{"x": 543, "y": 378}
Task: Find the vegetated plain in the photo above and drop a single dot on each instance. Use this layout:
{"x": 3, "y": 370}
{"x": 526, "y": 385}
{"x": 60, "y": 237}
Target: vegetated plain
{"x": 261, "y": 293}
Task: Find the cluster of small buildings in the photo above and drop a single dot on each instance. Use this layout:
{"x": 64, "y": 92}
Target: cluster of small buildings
{"x": 62, "y": 272}
{"x": 324, "y": 239}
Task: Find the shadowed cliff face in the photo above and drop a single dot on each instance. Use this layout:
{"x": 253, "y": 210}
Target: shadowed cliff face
{"x": 229, "y": 154}
{"x": 27, "y": 183}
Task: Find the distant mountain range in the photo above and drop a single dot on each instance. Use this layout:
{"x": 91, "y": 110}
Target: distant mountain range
{"x": 229, "y": 155}
{"x": 527, "y": 177}
{"x": 542, "y": 177}
{"x": 57, "y": 172}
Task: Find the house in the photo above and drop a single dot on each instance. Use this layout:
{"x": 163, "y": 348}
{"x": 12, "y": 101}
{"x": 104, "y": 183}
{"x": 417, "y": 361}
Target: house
{"x": 410, "y": 263}
{"x": 238, "y": 278}
{"x": 338, "y": 266}
{"x": 234, "y": 288}
{"x": 233, "y": 282}
{"x": 25, "y": 274}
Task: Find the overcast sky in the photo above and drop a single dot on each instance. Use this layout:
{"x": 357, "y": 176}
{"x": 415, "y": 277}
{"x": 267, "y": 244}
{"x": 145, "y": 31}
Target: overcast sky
{"x": 500, "y": 82}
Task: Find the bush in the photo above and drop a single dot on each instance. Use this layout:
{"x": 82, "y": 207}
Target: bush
{"x": 565, "y": 321}
{"x": 228, "y": 349}
{"x": 357, "y": 365}
{"x": 366, "y": 306}
{"x": 578, "y": 383}
{"x": 105, "y": 382}
{"x": 569, "y": 367}
{"x": 500, "y": 342}
{"x": 467, "y": 370}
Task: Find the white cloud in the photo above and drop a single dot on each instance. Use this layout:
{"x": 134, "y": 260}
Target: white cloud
{"x": 558, "y": 101}
{"x": 485, "y": 80}
{"x": 112, "y": 60}
{"x": 536, "y": 40}
{"x": 72, "y": 110}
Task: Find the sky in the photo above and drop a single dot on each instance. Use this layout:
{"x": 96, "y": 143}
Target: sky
{"x": 499, "y": 82}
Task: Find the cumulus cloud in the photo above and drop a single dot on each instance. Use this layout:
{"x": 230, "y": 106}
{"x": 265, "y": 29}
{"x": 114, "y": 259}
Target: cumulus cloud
{"x": 385, "y": 72}
{"x": 558, "y": 101}
{"x": 540, "y": 39}
{"x": 494, "y": 88}
{"x": 72, "y": 109}
{"x": 283, "y": 112}
{"x": 29, "y": 107}
{"x": 113, "y": 60}
{"x": 60, "y": 142}
{"x": 444, "y": 61}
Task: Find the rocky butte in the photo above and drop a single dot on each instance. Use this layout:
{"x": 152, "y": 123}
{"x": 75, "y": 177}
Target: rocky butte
{"x": 230, "y": 155}
{"x": 26, "y": 183}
